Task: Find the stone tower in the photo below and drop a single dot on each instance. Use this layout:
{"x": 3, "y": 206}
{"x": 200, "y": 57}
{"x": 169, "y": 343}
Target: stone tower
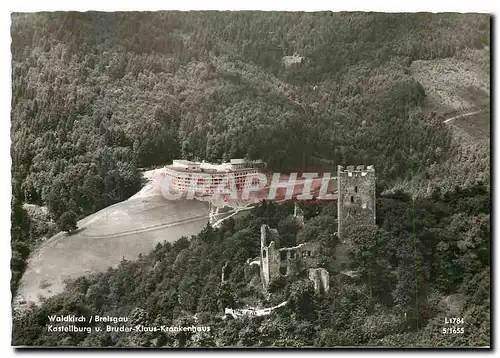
{"x": 356, "y": 197}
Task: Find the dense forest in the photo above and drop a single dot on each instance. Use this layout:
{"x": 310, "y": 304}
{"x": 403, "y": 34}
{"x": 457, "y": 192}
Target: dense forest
{"x": 97, "y": 96}
{"x": 423, "y": 253}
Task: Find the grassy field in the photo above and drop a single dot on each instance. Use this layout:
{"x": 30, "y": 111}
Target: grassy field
{"x": 120, "y": 231}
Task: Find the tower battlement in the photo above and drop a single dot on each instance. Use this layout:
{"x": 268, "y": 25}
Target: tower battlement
{"x": 351, "y": 170}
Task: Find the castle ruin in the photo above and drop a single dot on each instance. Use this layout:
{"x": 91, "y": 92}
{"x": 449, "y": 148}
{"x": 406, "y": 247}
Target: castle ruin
{"x": 286, "y": 261}
{"x": 356, "y": 197}
{"x": 356, "y": 207}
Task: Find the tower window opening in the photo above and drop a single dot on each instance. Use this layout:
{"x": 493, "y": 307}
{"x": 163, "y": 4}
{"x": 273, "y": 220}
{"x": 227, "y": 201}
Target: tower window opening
{"x": 352, "y": 199}
{"x": 355, "y": 189}
{"x": 264, "y": 254}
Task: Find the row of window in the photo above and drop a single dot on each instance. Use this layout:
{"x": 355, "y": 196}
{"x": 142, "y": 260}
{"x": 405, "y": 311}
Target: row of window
{"x": 211, "y": 188}
{"x": 202, "y": 182}
{"x": 174, "y": 173}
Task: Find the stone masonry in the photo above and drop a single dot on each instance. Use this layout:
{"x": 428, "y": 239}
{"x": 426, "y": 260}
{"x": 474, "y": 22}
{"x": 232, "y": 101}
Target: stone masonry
{"x": 276, "y": 261}
{"x": 356, "y": 197}
{"x": 321, "y": 279}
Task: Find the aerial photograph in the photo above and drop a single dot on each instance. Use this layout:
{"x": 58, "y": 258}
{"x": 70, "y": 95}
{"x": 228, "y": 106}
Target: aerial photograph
{"x": 250, "y": 179}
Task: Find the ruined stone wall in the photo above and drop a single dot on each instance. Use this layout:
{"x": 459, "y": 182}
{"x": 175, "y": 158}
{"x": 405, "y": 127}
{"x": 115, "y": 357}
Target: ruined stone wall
{"x": 294, "y": 259}
{"x": 356, "y": 197}
{"x": 275, "y": 261}
{"x": 321, "y": 279}
{"x": 226, "y": 270}
{"x": 269, "y": 254}
{"x": 298, "y": 214}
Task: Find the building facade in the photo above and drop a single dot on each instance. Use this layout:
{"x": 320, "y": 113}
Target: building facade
{"x": 206, "y": 178}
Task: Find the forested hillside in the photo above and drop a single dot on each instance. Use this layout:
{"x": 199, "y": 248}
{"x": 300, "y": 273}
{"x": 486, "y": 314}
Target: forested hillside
{"x": 95, "y": 96}
{"x": 423, "y": 255}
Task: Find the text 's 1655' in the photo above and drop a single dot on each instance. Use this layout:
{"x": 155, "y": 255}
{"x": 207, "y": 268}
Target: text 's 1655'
{"x": 453, "y": 330}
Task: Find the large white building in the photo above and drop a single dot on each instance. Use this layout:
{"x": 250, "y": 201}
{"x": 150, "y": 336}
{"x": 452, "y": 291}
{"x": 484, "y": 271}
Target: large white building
{"x": 207, "y": 178}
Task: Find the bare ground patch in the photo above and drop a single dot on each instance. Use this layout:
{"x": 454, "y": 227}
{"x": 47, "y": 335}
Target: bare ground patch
{"x": 455, "y": 85}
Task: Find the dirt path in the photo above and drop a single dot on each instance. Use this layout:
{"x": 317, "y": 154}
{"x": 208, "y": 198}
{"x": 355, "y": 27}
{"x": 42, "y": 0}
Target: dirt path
{"x": 464, "y": 115}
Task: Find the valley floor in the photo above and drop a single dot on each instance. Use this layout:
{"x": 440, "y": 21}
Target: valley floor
{"x": 123, "y": 230}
